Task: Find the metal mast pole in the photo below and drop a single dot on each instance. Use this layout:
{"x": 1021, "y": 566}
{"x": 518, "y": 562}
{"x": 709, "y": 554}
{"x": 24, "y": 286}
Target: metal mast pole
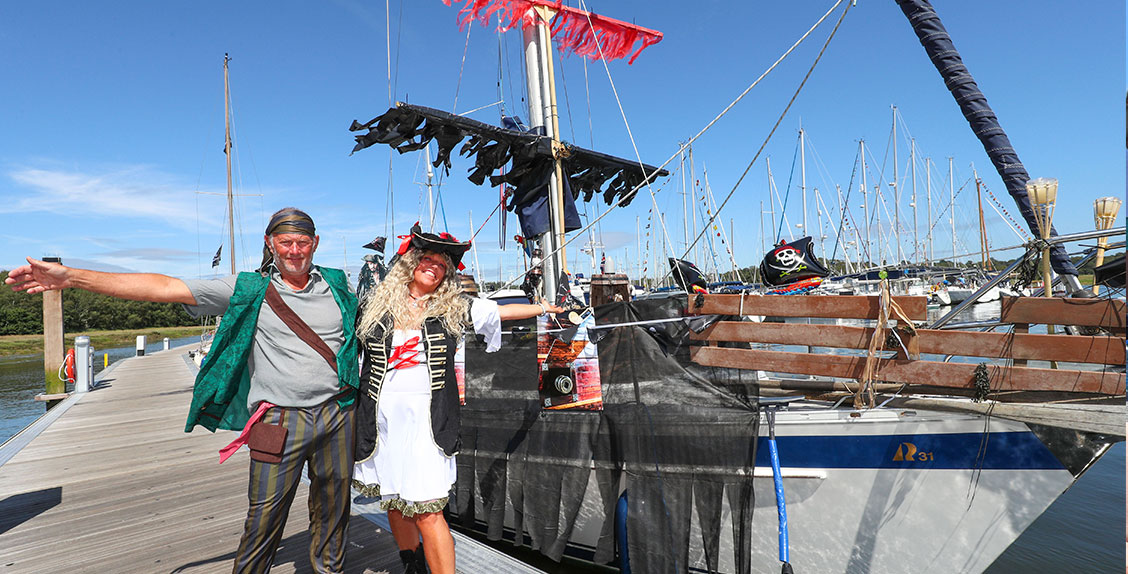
{"x": 227, "y": 152}
{"x": 896, "y": 194}
{"x": 542, "y": 114}
{"x": 693, "y": 205}
{"x": 762, "y": 248}
{"x": 771, "y": 199}
{"x": 865, "y": 202}
{"x": 930, "y": 253}
{"x": 952, "y": 207}
{"x": 916, "y": 235}
{"x": 685, "y": 207}
{"x": 430, "y": 195}
{"x": 474, "y": 244}
{"x": 803, "y": 172}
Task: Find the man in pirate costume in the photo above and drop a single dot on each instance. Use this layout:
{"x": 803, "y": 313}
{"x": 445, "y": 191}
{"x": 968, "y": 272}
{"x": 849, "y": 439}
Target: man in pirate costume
{"x": 408, "y": 419}
{"x": 263, "y": 360}
{"x": 373, "y": 270}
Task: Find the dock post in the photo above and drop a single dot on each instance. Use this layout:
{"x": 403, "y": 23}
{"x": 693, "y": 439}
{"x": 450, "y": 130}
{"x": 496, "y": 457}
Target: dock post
{"x": 53, "y": 346}
{"x": 167, "y": 345}
{"x": 140, "y": 345}
{"x": 83, "y": 364}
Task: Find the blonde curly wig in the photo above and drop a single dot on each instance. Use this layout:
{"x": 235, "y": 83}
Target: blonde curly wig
{"x": 391, "y": 298}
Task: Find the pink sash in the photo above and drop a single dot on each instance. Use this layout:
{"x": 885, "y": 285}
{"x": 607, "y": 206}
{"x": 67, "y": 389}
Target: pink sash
{"x": 227, "y": 451}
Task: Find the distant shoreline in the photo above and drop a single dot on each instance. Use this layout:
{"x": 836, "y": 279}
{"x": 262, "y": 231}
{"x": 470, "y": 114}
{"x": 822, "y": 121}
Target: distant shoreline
{"x": 11, "y": 345}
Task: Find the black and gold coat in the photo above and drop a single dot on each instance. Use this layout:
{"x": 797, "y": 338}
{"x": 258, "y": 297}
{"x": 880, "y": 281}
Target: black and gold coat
{"x": 439, "y": 347}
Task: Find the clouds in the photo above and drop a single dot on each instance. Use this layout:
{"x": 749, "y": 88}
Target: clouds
{"x": 138, "y": 192}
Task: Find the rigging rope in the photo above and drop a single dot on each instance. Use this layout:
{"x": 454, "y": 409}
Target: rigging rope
{"x": 781, "y": 116}
{"x": 630, "y": 195}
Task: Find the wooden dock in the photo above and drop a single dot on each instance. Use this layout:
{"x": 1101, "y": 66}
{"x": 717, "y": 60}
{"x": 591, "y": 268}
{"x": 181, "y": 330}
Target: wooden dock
{"x": 108, "y": 481}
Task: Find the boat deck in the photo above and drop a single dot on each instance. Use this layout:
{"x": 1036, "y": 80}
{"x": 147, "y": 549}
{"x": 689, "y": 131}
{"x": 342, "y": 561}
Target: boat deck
{"x": 107, "y": 481}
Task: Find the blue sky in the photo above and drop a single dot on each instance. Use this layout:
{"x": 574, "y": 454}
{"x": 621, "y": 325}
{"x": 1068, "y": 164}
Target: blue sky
{"x": 112, "y": 116}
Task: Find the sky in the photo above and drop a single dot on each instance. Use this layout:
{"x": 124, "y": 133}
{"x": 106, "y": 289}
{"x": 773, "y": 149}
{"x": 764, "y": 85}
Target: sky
{"x": 112, "y": 117}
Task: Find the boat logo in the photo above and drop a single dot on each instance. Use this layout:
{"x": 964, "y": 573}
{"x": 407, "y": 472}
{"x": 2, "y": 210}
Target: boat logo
{"x": 908, "y": 451}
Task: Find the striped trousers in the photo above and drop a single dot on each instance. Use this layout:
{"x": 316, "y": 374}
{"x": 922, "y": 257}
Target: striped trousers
{"x": 321, "y": 438}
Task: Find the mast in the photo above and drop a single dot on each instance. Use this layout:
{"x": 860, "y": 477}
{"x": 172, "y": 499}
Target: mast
{"x": 685, "y": 206}
{"x": 693, "y": 202}
{"x": 474, "y": 246}
{"x": 929, "y": 254}
{"x": 865, "y": 202}
{"x": 952, "y": 207}
{"x": 803, "y": 173}
{"x": 771, "y": 199}
{"x": 762, "y": 248}
{"x": 983, "y": 253}
{"x": 896, "y": 194}
{"x": 430, "y": 190}
{"x": 541, "y": 91}
{"x": 227, "y": 152}
{"x": 913, "y": 203}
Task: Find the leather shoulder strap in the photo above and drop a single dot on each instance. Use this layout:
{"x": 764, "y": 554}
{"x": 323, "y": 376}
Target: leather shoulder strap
{"x": 298, "y": 326}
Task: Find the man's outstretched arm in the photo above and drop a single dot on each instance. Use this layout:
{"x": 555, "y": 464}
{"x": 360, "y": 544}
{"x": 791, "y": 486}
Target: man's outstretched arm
{"x": 39, "y": 276}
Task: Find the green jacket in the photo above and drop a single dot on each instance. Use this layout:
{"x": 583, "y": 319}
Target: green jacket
{"x": 219, "y": 399}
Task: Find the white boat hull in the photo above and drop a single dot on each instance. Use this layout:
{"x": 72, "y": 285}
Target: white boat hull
{"x": 857, "y": 503}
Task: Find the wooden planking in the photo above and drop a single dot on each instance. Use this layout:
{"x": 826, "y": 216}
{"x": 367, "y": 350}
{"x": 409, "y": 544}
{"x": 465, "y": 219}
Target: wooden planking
{"x": 115, "y": 485}
{"x": 1068, "y": 348}
{"x": 1106, "y": 313}
{"x": 828, "y": 306}
{"x": 933, "y": 373}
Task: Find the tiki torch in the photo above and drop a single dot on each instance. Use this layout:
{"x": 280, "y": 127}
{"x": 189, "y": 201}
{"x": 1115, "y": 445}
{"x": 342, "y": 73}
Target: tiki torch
{"x": 1105, "y": 210}
{"x": 1043, "y": 196}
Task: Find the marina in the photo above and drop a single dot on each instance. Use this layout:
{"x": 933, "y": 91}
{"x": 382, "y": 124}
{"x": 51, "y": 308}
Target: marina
{"x": 876, "y": 396}
{"x": 109, "y": 482}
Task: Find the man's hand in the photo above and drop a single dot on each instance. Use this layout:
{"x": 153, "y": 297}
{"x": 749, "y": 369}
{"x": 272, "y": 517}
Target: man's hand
{"x": 38, "y": 276}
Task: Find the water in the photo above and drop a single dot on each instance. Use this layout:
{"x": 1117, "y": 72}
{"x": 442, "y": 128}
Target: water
{"x": 21, "y": 378}
{"x": 1083, "y": 531}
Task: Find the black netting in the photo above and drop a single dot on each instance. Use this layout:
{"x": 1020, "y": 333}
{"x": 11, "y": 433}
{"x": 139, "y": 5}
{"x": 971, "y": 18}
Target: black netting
{"x": 680, "y": 438}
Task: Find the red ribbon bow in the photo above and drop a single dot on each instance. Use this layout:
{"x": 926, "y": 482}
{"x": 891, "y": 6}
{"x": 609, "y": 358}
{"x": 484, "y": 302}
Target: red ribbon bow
{"x": 405, "y": 355}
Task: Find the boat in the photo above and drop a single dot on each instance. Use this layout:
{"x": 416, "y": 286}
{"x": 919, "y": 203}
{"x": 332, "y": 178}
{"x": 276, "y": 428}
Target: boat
{"x": 676, "y": 458}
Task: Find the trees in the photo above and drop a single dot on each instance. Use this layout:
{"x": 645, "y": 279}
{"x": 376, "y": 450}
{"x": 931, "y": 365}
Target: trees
{"x": 22, "y": 314}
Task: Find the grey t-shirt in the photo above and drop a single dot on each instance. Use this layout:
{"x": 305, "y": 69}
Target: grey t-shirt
{"x": 284, "y": 370}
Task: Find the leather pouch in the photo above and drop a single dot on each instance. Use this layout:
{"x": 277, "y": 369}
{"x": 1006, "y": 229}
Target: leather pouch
{"x": 266, "y": 442}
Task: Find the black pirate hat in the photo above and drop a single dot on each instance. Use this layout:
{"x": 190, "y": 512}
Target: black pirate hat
{"x": 442, "y": 243}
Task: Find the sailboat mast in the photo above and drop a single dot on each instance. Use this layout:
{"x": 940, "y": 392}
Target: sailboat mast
{"x": 865, "y": 201}
{"x": 913, "y": 204}
{"x": 543, "y": 114}
{"x": 430, "y": 189}
{"x": 474, "y": 245}
{"x": 930, "y": 254}
{"x": 771, "y": 200}
{"x": 982, "y": 225}
{"x": 803, "y": 173}
{"x": 896, "y": 194}
{"x": 227, "y": 152}
{"x": 692, "y": 189}
{"x": 952, "y": 207}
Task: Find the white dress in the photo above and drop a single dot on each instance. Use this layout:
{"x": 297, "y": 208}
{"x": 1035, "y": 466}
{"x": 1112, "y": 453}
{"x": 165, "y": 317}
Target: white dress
{"x": 407, "y": 470}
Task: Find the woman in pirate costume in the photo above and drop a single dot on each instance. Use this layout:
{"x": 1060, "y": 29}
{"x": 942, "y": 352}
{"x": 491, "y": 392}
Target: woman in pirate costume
{"x": 408, "y": 410}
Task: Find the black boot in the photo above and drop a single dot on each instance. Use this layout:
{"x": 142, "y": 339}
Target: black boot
{"x": 409, "y": 561}
{"x": 421, "y": 561}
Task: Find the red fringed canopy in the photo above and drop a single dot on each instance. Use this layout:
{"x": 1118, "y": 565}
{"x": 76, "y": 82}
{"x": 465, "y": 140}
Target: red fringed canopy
{"x": 570, "y": 27}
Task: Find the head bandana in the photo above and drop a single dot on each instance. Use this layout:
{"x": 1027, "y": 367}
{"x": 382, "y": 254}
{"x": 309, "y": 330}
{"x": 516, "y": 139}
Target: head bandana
{"x": 288, "y": 220}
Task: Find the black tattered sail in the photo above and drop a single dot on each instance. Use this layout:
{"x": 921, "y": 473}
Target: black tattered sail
{"x": 527, "y": 154}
